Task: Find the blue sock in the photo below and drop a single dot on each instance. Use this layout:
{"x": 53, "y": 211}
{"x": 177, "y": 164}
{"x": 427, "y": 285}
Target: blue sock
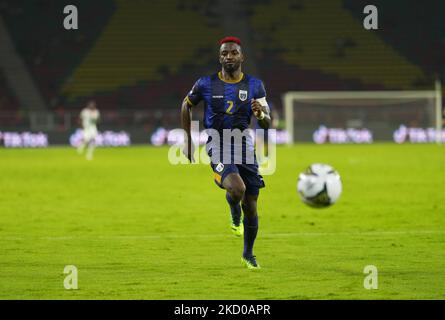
{"x": 235, "y": 210}
{"x": 250, "y": 232}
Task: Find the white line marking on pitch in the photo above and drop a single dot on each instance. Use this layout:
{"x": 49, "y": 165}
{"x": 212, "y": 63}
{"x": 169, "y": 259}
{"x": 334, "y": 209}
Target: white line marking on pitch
{"x": 265, "y": 235}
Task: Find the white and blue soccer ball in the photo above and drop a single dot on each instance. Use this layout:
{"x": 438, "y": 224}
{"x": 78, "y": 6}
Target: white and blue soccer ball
{"x": 319, "y": 186}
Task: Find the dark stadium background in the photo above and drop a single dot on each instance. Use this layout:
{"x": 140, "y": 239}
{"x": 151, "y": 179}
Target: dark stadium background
{"x": 138, "y": 58}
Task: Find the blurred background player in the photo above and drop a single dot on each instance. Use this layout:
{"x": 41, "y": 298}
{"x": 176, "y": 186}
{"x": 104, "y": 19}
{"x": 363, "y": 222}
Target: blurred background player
{"x": 231, "y": 98}
{"x": 89, "y": 118}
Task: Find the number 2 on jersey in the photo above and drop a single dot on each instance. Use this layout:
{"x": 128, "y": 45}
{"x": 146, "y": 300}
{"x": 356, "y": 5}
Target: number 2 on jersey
{"x": 230, "y": 103}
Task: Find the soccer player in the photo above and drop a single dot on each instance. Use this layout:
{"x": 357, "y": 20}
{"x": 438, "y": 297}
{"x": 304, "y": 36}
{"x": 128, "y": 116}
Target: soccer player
{"x": 230, "y": 98}
{"x": 89, "y": 117}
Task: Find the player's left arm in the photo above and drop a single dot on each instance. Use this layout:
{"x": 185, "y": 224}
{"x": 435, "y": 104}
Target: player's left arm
{"x": 260, "y": 108}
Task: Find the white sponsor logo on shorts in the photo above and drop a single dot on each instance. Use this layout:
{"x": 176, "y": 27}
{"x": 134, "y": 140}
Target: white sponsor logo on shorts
{"x": 220, "y": 167}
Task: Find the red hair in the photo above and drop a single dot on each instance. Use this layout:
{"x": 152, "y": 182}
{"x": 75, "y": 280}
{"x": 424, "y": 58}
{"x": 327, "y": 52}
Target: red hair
{"x": 230, "y": 39}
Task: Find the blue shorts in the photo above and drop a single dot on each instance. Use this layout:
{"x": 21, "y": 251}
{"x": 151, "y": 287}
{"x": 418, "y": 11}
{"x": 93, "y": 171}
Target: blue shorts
{"x": 248, "y": 172}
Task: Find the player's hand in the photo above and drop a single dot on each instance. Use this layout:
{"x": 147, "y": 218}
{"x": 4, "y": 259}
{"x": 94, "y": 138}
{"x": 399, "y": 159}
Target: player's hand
{"x": 256, "y": 108}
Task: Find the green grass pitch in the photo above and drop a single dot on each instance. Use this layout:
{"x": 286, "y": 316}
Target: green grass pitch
{"x": 137, "y": 227}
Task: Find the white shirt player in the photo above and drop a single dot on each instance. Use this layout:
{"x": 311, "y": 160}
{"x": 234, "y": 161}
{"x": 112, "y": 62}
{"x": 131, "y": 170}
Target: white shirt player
{"x": 89, "y": 118}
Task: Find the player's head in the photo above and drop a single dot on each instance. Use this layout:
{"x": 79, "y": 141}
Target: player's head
{"x": 91, "y": 104}
{"x": 230, "y": 55}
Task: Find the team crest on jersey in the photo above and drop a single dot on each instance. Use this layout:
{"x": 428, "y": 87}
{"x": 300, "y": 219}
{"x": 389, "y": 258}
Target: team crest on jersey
{"x": 242, "y": 95}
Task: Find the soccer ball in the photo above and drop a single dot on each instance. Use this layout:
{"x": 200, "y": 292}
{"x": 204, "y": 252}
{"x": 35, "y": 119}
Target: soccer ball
{"x": 319, "y": 186}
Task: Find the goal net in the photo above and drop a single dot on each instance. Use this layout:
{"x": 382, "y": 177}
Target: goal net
{"x": 364, "y": 116}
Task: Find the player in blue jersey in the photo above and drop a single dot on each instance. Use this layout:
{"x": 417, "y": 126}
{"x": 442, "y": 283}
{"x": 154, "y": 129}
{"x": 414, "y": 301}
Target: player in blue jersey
{"x": 230, "y": 99}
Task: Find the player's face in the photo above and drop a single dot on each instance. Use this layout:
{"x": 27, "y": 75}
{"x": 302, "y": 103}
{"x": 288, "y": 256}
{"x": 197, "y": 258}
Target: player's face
{"x": 230, "y": 56}
{"x": 91, "y": 105}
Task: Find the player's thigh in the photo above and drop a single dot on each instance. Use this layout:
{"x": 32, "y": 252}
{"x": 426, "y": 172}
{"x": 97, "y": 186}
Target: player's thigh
{"x": 234, "y": 184}
{"x": 90, "y": 135}
{"x": 252, "y": 179}
{"x": 227, "y": 177}
{"x": 87, "y": 135}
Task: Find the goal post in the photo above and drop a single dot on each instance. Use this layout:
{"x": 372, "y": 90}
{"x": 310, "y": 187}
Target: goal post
{"x": 439, "y": 112}
{"x": 382, "y": 112}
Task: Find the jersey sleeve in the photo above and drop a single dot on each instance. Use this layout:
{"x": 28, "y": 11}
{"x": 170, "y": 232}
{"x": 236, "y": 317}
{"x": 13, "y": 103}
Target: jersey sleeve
{"x": 260, "y": 91}
{"x": 195, "y": 95}
{"x": 260, "y": 95}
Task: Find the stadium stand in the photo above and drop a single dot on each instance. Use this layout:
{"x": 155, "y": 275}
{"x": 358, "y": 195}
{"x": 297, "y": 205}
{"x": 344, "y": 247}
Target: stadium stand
{"x": 412, "y": 28}
{"x": 131, "y": 55}
{"x": 51, "y": 52}
{"x": 7, "y": 100}
{"x": 324, "y": 36}
{"x": 11, "y": 115}
{"x": 134, "y": 49}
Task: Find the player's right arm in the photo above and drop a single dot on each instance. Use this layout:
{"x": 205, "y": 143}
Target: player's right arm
{"x": 186, "y": 118}
{"x": 192, "y": 99}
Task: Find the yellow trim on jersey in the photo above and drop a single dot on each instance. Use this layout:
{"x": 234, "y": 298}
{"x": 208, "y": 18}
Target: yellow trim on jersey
{"x": 187, "y": 99}
{"x": 230, "y": 81}
{"x": 217, "y": 177}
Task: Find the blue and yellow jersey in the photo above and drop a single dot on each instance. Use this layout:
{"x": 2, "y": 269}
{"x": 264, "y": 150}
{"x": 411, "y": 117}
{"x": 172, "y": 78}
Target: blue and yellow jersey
{"x": 227, "y": 103}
